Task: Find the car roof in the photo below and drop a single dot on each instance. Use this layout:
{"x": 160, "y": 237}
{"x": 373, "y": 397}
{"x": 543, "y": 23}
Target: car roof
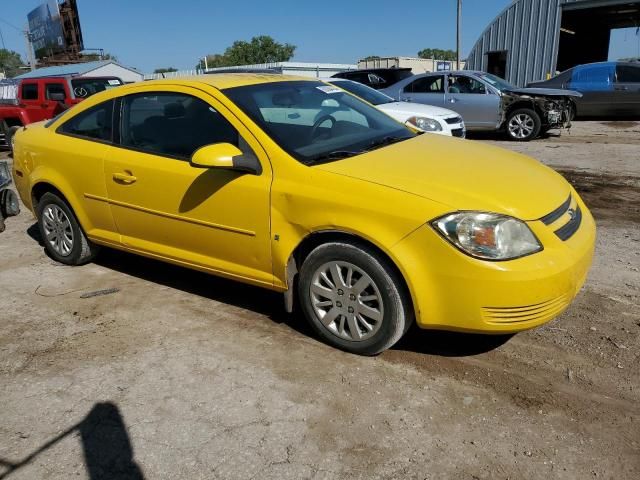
{"x": 228, "y": 80}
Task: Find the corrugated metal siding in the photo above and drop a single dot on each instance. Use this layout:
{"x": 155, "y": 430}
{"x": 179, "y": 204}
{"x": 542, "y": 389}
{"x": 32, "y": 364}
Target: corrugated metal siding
{"x": 529, "y": 30}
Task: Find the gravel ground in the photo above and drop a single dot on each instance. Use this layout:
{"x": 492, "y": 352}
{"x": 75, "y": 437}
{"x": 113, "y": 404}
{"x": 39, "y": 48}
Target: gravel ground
{"x": 181, "y": 375}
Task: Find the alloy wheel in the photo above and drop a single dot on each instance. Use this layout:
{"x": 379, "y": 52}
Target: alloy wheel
{"x": 521, "y": 126}
{"x": 57, "y": 230}
{"x": 347, "y": 301}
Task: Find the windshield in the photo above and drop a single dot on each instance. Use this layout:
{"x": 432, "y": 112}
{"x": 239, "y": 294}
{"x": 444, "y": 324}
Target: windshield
{"x": 372, "y": 96}
{"x": 315, "y": 122}
{"x": 496, "y": 82}
{"x": 85, "y": 87}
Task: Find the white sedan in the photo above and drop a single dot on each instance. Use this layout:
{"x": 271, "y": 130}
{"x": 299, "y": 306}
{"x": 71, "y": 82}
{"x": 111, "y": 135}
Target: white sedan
{"x": 423, "y": 117}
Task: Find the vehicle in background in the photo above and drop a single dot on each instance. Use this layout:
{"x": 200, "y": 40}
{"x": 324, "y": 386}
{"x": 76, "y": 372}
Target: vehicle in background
{"x": 377, "y": 78}
{"x": 416, "y": 115}
{"x": 43, "y": 98}
{"x": 609, "y": 89}
{"x": 9, "y": 205}
{"x": 489, "y": 103}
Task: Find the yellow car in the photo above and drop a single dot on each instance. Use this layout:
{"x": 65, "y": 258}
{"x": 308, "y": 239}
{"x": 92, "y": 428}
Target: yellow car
{"x": 297, "y": 186}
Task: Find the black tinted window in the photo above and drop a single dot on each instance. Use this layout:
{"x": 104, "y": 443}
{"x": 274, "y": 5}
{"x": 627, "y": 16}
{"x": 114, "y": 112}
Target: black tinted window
{"x": 57, "y": 89}
{"x": 29, "y": 91}
{"x": 628, "y": 74}
{"x": 94, "y": 123}
{"x": 426, "y": 85}
{"x": 172, "y": 124}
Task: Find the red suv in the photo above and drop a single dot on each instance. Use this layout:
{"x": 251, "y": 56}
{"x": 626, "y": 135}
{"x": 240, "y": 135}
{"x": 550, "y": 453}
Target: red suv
{"x": 45, "y": 97}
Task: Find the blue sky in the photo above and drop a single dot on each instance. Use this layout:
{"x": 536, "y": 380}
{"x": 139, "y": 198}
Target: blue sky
{"x": 147, "y": 34}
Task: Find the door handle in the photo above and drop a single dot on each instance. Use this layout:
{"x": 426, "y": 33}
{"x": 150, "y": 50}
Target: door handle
{"x": 125, "y": 178}
{"x": 621, "y": 88}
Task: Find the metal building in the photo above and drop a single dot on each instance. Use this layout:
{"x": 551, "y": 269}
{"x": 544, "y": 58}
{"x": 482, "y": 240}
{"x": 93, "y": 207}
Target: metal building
{"x": 533, "y": 39}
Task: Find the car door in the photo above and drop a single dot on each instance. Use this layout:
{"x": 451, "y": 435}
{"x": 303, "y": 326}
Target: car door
{"x": 627, "y": 90}
{"x": 474, "y": 101}
{"x": 428, "y": 90}
{"x": 210, "y": 218}
{"x": 32, "y": 99}
{"x": 596, "y": 84}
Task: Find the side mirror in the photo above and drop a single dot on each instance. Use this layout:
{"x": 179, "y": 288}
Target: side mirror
{"x": 225, "y": 156}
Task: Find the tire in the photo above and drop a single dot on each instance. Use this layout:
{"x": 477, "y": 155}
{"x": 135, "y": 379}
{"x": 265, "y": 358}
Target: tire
{"x": 523, "y": 125}
{"x": 61, "y": 233}
{"x": 11, "y": 131}
{"x": 364, "y": 327}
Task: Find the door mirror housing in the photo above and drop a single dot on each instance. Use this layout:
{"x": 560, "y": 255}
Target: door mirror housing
{"x": 225, "y": 156}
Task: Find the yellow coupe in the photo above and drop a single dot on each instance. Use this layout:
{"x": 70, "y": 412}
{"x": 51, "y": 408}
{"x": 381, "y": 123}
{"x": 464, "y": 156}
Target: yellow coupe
{"x": 298, "y": 186}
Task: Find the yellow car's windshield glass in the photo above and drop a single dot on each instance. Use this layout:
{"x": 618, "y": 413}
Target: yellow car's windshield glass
{"x": 316, "y": 122}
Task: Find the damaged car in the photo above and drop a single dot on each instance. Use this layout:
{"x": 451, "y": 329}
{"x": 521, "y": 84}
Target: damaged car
{"x": 489, "y": 103}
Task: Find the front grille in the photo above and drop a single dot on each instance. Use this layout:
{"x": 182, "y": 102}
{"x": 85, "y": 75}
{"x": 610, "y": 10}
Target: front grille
{"x": 528, "y": 313}
{"x": 458, "y": 132}
{"x": 571, "y": 208}
{"x": 453, "y": 120}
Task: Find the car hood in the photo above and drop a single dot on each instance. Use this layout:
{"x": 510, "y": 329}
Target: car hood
{"x": 548, "y": 92}
{"x": 461, "y": 174}
{"x": 411, "y": 108}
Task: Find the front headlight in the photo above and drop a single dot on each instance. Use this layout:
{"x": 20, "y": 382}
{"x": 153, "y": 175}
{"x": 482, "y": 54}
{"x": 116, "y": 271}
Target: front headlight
{"x": 426, "y": 124}
{"x": 489, "y": 236}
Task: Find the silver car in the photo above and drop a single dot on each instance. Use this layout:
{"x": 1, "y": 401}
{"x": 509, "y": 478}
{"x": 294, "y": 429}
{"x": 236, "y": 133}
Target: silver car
{"x": 489, "y": 103}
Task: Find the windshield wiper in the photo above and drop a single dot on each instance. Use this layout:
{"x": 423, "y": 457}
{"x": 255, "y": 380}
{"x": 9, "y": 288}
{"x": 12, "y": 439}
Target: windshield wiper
{"x": 331, "y": 156}
{"x": 383, "y": 142}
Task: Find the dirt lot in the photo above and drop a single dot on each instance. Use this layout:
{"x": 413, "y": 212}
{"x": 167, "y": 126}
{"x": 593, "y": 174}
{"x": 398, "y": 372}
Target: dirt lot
{"x": 181, "y": 375}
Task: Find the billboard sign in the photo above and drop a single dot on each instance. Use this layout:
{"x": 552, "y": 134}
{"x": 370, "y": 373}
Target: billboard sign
{"x": 45, "y": 26}
{"x": 443, "y": 66}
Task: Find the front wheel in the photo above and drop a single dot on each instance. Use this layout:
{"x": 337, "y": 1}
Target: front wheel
{"x": 523, "y": 125}
{"x": 353, "y": 299}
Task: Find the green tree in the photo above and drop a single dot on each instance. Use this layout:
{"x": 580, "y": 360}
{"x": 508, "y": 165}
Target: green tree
{"x": 370, "y": 57}
{"x": 165, "y": 70}
{"x": 10, "y": 63}
{"x": 260, "y": 49}
{"x": 437, "y": 54}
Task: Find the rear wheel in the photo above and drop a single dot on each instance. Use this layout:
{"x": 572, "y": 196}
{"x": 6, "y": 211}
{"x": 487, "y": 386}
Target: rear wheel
{"x": 11, "y": 131}
{"x": 523, "y": 125}
{"x": 353, "y": 299}
{"x": 61, "y": 233}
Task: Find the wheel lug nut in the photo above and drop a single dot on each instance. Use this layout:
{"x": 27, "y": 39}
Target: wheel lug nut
{"x": 339, "y": 304}
{"x": 352, "y": 297}
{"x": 340, "y": 292}
{"x": 350, "y": 309}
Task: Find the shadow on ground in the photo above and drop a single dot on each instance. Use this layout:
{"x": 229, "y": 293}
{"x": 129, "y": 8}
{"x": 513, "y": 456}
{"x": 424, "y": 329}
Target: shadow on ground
{"x": 271, "y": 304}
{"x": 107, "y": 449}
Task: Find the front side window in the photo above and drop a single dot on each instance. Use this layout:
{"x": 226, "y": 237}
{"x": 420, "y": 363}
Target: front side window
{"x": 30, "y": 91}
{"x": 433, "y": 84}
{"x": 464, "y": 84}
{"x": 92, "y": 124}
{"x": 172, "y": 124}
{"x": 315, "y": 122}
{"x": 54, "y": 91}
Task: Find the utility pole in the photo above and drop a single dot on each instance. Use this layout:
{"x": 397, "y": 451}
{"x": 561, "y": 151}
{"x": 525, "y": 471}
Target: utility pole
{"x": 206, "y": 63}
{"x": 27, "y": 36}
{"x": 458, "y": 33}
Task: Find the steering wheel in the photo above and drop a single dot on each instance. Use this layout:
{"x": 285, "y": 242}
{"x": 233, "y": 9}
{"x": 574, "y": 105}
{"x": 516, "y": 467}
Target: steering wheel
{"x": 317, "y": 123}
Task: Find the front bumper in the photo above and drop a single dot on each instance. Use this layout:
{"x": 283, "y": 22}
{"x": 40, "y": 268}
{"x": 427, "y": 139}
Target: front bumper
{"x": 453, "y": 291}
